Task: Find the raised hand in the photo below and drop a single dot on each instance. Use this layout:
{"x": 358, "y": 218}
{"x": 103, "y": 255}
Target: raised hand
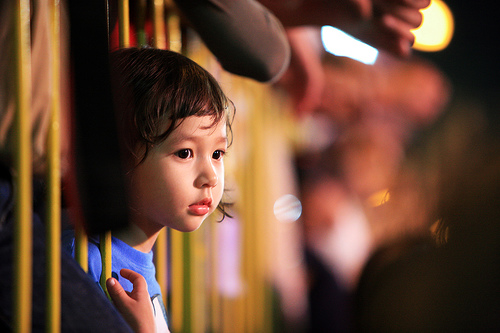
{"x": 390, "y": 25}
{"x": 135, "y": 306}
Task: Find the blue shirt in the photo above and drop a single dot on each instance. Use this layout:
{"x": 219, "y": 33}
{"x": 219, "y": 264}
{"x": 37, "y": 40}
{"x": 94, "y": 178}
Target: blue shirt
{"x": 122, "y": 256}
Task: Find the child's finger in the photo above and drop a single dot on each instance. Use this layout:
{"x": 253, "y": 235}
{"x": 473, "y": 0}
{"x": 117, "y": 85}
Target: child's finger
{"x": 138, "y": 281}
{"x": 116, "y": 292}
{"x": 136, "y": 308}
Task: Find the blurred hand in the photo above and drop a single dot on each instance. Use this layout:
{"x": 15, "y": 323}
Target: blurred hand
{"x": 135, "y": 306}
{"x": 384, "y": 24}
{"x": 390, "y": 24}
{"x": 304, "y": 78}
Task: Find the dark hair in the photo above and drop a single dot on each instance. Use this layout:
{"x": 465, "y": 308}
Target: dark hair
{"x": 155, "y": 87}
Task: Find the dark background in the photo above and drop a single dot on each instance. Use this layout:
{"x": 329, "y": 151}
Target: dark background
{"x": 471, "y": 59}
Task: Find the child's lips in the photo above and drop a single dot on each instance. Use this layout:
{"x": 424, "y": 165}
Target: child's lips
{"x": 201, "y": 208}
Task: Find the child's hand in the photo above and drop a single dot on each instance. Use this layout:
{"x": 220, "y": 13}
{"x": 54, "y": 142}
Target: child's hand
{"x": 135, "y": 306}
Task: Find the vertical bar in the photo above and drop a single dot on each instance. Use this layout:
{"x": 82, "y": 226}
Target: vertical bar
{"x": 23, "y": 197}
{"x": 161, "y": 262}
{"x": 159, "y": 37}
{"x": 215, "y": 300}
{"x": 187, "y": 287}
{"x": 179, "y": 259}
{"x": 161, "y": 242}
{"x": 266, "y": 101}
{"x": 141, "y": 22}
{"x": 177, "y": 276}
{"x": 253, "y": 174}
{"x": 105, "y": 248}
{"x": 54, "y": 190}
{"x": 105, "y": 245}
{"x": 198, "y": 276}
{"x": 235, "y": 311}
{"x": 254, "y": 229}
{"x": 81, "y": 246}
{"x": 124, "y": 23}
{"x": 174, "y": 31}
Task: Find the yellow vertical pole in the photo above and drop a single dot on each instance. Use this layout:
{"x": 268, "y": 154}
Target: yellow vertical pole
{"x": 177, "y": 276}
{"x": 187, "y": 259}
{"x": 161, "y": 263}
{"x": 159, "y": 36}
{"x": 105, "y": 248}
{"x": 173, "y": 25}
{"x": 253, "y": 242}
{"x": 265, "y": 217}
{"x": 124, "y": 23}
{"x": 254, "y": 220}
{"x": 105, "y": 238}
{"x": 245, "y": 309}
{"x": 81, "y": 247}
{"x": 177, "y": 239}
{"x": 141, "y": 22}
{"x": 215, "y": 300}
{"x": 23, "y": 197}
{"x": 161, "y": 242}
{"x": 235, "y": 311}
{"x": 202, "y": 273}
{"x": 54, "y": 190}
{"x": 198, "y": 273}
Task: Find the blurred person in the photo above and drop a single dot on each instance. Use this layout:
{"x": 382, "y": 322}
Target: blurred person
{"x": 411, "y": 93}
{"x": 337, "y": 241}
{"x": 374, "y": 112}
{"x": 246, "y": 38}
{"x": 379, "y": 112}
{"x": 340, "y": 99}
{"x": 83, "y": 306}
{"x": 304, "y": 79}
{"x": 384, "y": 24}
{"x": 441, "y": 274}
{"x": 336, "y": 191}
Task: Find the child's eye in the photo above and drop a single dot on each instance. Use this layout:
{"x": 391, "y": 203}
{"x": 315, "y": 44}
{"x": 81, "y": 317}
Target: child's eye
{"x": 218, "y": 154}
{"x": 184, "y": 153}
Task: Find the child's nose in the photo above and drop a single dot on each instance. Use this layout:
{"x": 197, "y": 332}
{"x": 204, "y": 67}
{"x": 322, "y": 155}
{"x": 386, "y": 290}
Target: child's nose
{"x": 208, "y": 176}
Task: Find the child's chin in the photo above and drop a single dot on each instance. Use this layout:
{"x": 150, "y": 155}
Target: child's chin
{"x": 190, "y": 227}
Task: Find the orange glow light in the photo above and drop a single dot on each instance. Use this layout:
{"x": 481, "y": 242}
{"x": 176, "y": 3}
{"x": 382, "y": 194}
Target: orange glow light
{"x": 436, "y": 30}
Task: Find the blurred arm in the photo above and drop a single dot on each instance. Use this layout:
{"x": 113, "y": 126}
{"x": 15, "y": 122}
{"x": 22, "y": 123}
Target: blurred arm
{"x": 244, "y": 36}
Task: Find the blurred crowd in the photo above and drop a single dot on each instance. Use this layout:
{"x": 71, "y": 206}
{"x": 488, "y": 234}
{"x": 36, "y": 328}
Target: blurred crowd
{"x": 398, "y": 177}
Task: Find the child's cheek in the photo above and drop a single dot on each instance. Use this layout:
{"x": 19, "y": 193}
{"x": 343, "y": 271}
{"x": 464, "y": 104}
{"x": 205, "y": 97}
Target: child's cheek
{"x": 220, "y": 189}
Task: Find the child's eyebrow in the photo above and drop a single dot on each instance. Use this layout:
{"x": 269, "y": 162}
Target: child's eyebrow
{"x": 222, "y": 139}
{"x": 179, "y": 138}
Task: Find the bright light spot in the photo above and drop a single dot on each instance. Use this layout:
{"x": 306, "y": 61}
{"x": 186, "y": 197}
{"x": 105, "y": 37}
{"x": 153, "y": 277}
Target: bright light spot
{"x": 436, "y": 30}
{"x": 379, "y": 198}
{"x": 341, "y": 44}
{"x": 287, "y": 208}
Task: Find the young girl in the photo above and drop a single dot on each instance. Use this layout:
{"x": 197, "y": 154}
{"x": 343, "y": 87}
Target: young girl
{"x": 174, "y": 122}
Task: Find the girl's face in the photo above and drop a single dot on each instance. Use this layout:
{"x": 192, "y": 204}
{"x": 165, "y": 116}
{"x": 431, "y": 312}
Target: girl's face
{"x": 181, "y": 181}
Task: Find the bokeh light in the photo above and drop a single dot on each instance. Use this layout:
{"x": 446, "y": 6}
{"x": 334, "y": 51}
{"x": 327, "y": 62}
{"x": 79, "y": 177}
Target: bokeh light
{"x": 436, "y": 30}
{"x": 287, "y": 208}
{"x": 342, "y": 44}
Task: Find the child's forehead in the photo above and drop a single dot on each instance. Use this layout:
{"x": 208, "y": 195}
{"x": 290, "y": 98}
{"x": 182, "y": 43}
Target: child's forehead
{"x": 193, "y": 127}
